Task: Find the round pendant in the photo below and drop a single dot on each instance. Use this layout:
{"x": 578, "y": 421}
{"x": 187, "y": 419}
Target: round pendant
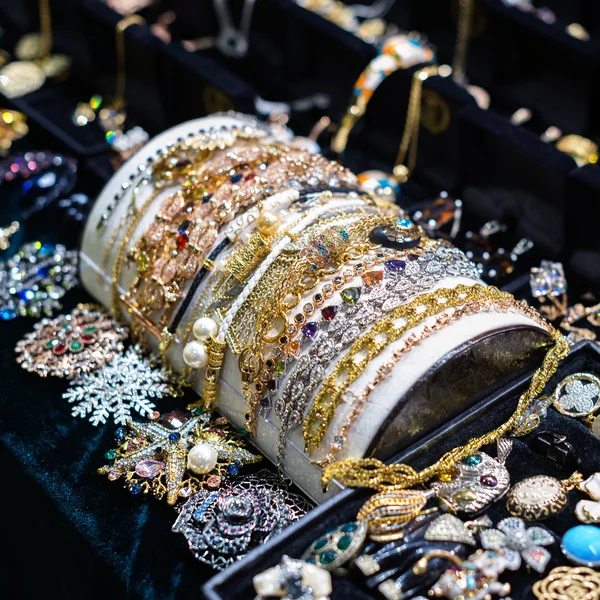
{"x": 337, "y": 546}
{"x": 537, "y": 498}
{"x": 581, "y": 545}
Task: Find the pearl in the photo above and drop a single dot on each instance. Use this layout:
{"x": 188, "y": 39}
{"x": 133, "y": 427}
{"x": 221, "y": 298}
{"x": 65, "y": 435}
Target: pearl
{"x": 194, "y": 355}
{"x": 202, "y": 459}
{"x": 205, "y": 328}
{"x": 268, "y": 222}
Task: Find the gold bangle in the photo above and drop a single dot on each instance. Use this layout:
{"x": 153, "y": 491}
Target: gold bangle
{"x": 350, "y": 367}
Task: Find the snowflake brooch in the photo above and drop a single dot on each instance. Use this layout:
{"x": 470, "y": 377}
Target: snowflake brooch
{"x": 72, "y": 344}
{"x": 577, "y": 395}
{"x": 126, "y": 383}
{"x": 34, "y": 280}
{"x": 176, "y": 455}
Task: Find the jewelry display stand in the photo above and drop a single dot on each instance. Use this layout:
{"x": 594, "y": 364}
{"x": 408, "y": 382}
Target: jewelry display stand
{"x": 442, "y": 376}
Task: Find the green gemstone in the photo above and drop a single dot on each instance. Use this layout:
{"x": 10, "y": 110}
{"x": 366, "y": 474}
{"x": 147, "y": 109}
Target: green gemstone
{"x": 327, "y": 557}
{"x": 90, "y": 329}
{"x": 472, "y": 461}
{"x": 67, "y": 326}
{"x": 110, "y": 454}
{"x": 350, "y": 295}
{"x": 320, "y": 544}
{"x": 280, "y": 369}
{"x": 349, "y": 527}
{"x": 76, "y": 346}
{"x": 197, "y": 410}
{"x": 344, "y": 542}
{"x": 51, "y": 343}
{"x": 242, "y": 431}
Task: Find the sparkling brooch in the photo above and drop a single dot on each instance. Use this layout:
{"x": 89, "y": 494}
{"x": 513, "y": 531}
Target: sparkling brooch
{"x": 126, "y": 383}
{"x": 176, "y": 455}
{"x": 519, "y": 544}
{"x": 222, "y": 526}
{"x": 72, "y": 344}
{"x": 33, "y": 281}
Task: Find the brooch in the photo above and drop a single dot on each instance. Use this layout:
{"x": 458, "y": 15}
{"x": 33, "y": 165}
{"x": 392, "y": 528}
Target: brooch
{"x": 72, "y": 344}
{"x": 540, "y": 497}
{"x": 568, "y": 583}
{"x": 222, "y": 526}
{"x": 588, "y": 511}
{"x": 126, "y": 383}
{"x": 293, "y": 580}
{"x": 578, "y": 396}
{"x": 519, "y": 544}
{"x": 33, "y": 281}
{"x": 175, "y": 455}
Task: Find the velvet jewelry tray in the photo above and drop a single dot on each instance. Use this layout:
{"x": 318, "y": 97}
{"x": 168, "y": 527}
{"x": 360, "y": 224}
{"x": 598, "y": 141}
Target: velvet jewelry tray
{"x": 236, "y": 581}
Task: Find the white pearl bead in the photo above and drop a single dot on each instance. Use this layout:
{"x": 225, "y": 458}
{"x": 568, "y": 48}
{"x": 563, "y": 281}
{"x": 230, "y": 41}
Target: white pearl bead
{"x": 205, "y": 328}
{"x": 194, "y": 355}
{"x": 202, "y": 459}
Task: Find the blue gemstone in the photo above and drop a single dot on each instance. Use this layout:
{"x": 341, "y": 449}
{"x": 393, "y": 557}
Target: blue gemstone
{"x": 46, "y": 249}
{"x": 395, "y": 265}
{"x": 26, "y": 295}
{"x": 198, "y": 514}
{"x": 310, "y": 329}
{"x": 404, "y": 223}
{"x": 120, "y": 434}
{"x": 233, "y": 470}
{"x": 236, "y": 178}
{"x": 183, "y": 227}
{"x": 581, "y": 545}
{"x": 207, "y": 198}
{"x": 174, "y": 437}
{"x": 135, "y": 489}
{"x": 44, "y": 271}
{"x": 6, "y": 314}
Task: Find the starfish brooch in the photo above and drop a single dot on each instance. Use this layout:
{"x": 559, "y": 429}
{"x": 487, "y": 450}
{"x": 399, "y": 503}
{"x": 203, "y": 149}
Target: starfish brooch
{"x": 176, "y": 454}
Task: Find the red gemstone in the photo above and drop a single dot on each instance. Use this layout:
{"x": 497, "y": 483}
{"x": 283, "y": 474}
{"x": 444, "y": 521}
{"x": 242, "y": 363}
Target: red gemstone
{"x": 412, "y": 256}
{"x": 329, "y": 312}
{"x": 250, "y": 177}
{"x": 88, "y": 339}
{"x": 59, "y": 349}
{"x": 488, "y": 480}
{"x": 182, "y": 241}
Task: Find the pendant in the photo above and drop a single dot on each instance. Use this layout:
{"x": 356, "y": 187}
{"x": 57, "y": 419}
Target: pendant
{"x": 540, "y": 497}
{"x": 402, "y": 235}
{"x": 577, "y": 395}
{"x": 476, "y": 481}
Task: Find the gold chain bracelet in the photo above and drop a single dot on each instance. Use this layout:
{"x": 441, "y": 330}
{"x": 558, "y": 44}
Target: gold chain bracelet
{"x": 373, "y": 473}
{"x": 365, "y": 349}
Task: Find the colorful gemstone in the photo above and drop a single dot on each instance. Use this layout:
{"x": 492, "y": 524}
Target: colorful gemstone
{"x": 149, "y": 468}
{"x": 175, "y": 419}
{"x": 350, "y": 295}
{"x": 372, "y": 278}
{"x": 320, "y": 544}
{"x": 329, "y": 312}
{"x": 174, "y": 437}
{"x": 110, "y": 454}
{"x": 328, "y": 557}
{"x": 395, "y": 265}
{"x": 404, "y": 223}
{"x": 349, "y": 527}
{"x": 237, "y": 177}
{"x": 181, "y": 241}
{"x": 473, "y": 460}
{"x": 310, "y": 329}
{"x": 183, "y": 227}
{"x": 488, "y": 480}
{"x": 214, "y": 481}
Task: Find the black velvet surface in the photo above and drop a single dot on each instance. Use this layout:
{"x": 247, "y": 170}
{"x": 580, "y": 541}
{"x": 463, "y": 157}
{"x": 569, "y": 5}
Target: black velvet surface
{"x": 88, "y": 537}
{"x": 522, "y": 463}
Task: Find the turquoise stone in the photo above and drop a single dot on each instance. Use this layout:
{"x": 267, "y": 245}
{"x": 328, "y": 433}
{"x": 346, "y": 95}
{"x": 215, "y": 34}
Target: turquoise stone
{"x": 344, "y": 542}
{"x": 472, "y": 461}
{"x": 404, "y": 223}
{"x": 581, "y": 545}
{"x": 349, "y": 527}
{"x": 328, "y": 557}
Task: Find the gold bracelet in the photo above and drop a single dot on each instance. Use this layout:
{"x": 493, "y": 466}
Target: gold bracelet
{"x": 373, "y": 473}
{"x": 413, "y": 340}
{"x": 366, "y": 348}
